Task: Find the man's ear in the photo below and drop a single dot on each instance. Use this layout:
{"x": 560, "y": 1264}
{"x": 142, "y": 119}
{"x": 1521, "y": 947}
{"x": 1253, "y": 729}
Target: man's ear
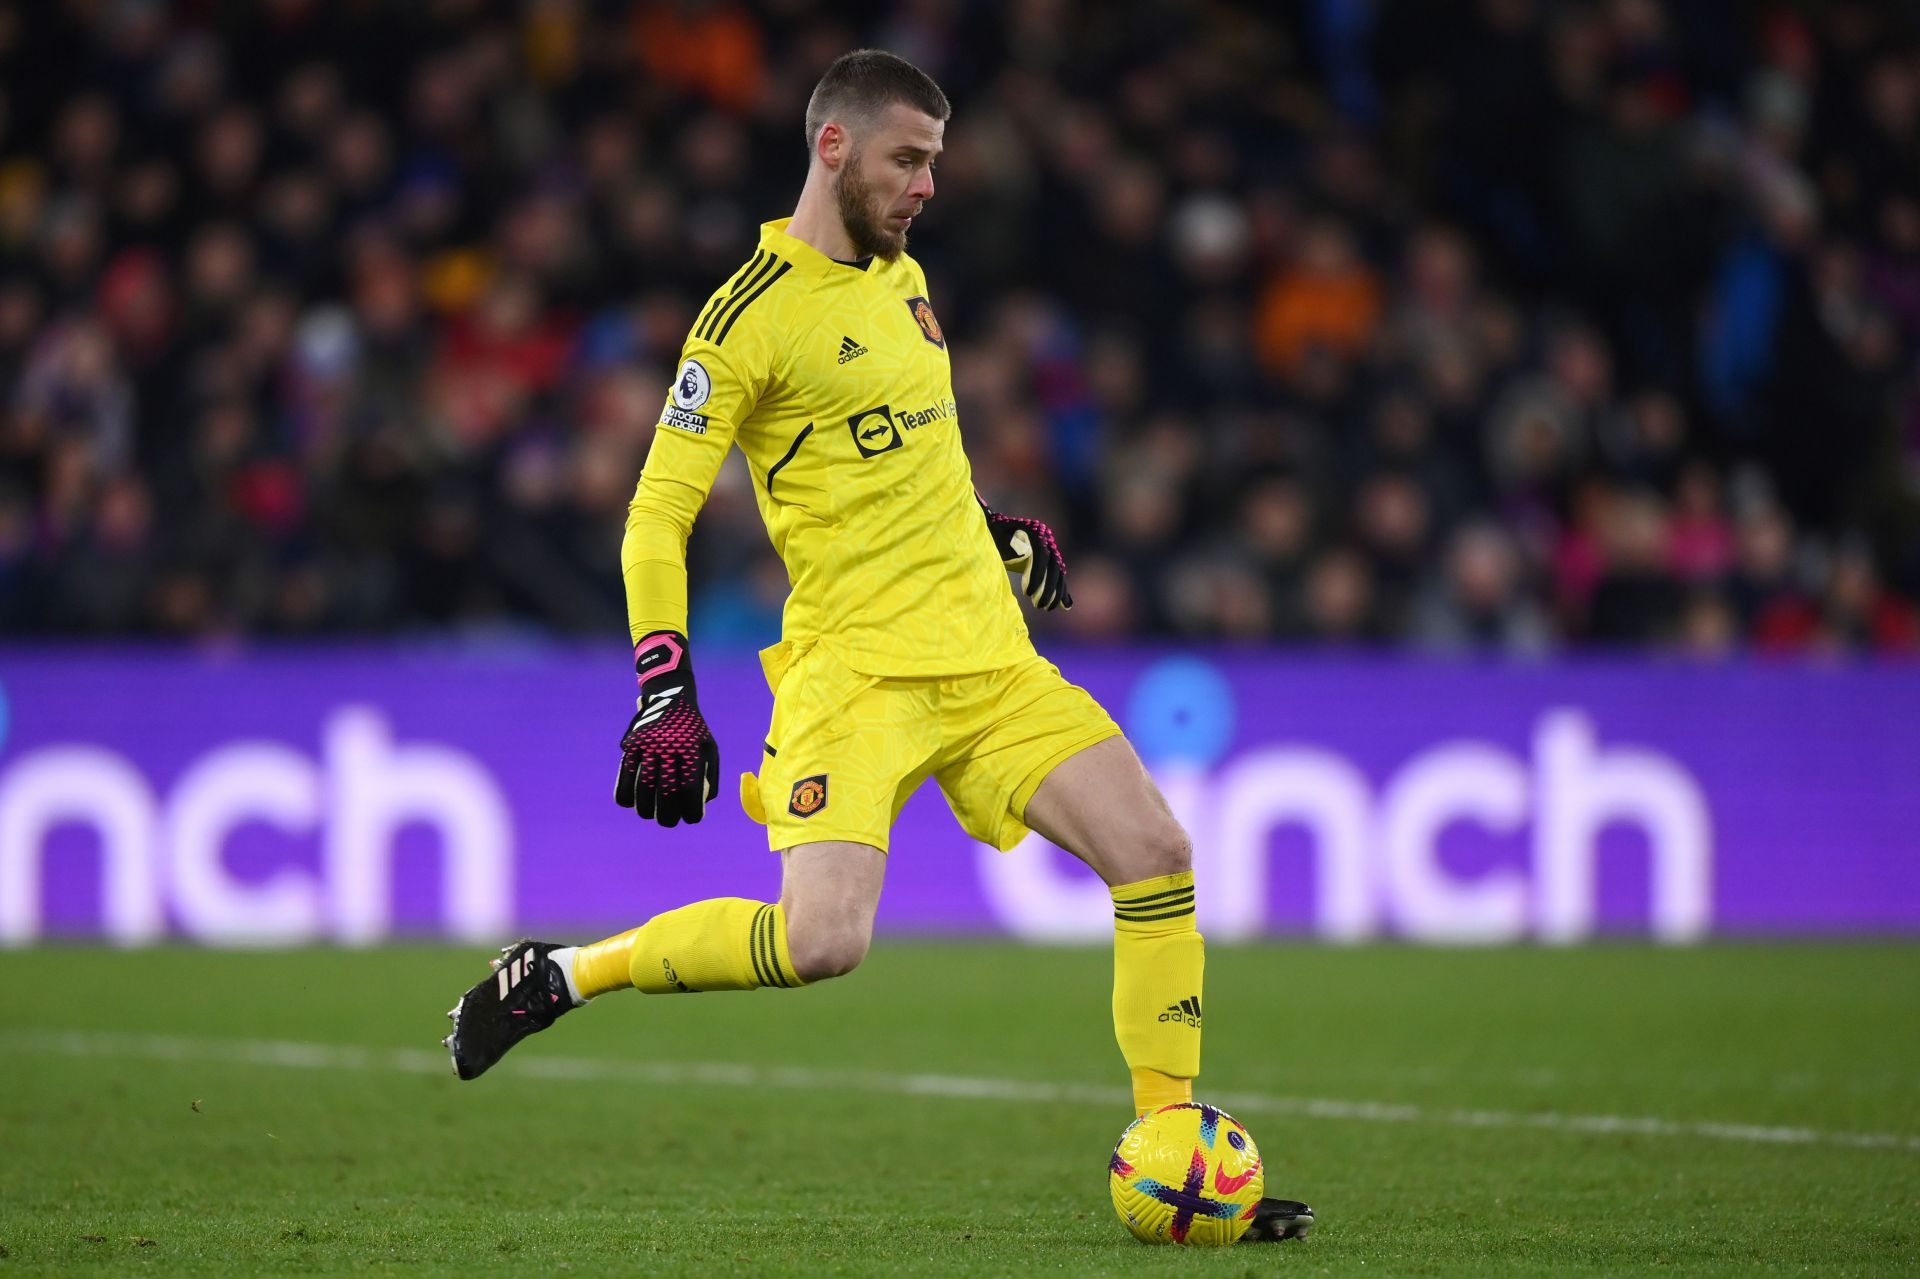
{"x": 831, "y": 145}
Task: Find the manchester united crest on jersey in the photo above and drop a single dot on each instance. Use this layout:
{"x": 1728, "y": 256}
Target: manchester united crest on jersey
{"x": 929, "y": 323}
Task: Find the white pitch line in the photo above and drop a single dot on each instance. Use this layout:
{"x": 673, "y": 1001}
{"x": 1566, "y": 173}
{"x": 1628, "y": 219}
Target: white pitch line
{"x": 296, "y": 1055}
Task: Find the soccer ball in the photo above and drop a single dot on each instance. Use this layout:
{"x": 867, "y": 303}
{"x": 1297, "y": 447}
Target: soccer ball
{"x": 1186, "y": 1173}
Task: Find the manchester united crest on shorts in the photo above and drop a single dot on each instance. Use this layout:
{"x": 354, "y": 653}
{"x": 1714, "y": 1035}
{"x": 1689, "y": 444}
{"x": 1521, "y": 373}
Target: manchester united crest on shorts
{"x": 929, "y": 323}
{"x": 809, "y": 796}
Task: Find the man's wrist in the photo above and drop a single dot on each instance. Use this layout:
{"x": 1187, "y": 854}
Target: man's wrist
{"x": 659, "y": 654}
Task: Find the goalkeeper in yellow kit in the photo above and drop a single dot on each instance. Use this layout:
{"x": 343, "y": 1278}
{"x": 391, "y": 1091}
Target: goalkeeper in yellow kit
{"x": 904, "y": 656}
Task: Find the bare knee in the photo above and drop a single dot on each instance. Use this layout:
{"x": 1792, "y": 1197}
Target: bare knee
{"x": 1159, "y": 848}
{"x": 828, "y": 894}
{"x": 823, "y": 949}
{"x": 1102, "y": 806}
{"x": 1166, "y": 850}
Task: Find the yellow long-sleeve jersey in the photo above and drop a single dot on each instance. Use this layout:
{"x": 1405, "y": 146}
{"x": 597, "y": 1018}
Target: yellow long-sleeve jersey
{"x": 834, "y": 381}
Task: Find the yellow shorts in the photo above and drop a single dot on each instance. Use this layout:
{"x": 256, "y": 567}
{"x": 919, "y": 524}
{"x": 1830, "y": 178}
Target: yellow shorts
{"x": 846, "y": 751}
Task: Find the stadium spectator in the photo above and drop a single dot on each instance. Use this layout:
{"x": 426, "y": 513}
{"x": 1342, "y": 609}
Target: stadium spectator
{"x": 1479, "y": 602}
{"x": 1496, "y": 324}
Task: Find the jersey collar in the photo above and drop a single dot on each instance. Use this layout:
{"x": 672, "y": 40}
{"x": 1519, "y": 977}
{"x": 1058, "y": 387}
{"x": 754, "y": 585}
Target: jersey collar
{"x": 805, "y": 258}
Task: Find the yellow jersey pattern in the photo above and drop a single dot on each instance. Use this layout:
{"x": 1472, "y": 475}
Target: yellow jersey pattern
{"x": 834, "y": 382}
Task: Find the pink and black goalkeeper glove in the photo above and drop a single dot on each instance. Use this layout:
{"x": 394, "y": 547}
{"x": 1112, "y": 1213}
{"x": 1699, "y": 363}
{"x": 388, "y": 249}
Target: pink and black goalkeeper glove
{"x": 669, "y": 764}
{"x": 1029, "y": 549}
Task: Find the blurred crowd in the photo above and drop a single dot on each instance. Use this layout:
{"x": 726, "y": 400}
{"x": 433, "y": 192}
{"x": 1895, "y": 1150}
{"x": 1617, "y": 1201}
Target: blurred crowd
{"x": 1510, "y": 325}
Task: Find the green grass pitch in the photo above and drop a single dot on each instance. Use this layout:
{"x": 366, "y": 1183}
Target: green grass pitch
{"x": 1734, "y": 1110}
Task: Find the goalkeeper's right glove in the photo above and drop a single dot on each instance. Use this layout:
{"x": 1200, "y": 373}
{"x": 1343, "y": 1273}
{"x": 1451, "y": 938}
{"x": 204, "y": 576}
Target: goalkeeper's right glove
{"x": 1029, "y": 548}
{"x": 669, "y": 764}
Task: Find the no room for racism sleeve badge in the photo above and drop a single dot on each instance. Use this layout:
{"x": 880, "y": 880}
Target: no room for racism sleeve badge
{"x": 809, "y": 796}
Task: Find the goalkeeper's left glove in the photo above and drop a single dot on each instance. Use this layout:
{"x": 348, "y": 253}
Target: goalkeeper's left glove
{"x": 1029, "y": 549}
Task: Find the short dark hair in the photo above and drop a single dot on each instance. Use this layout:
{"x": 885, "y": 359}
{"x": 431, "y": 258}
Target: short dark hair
{"x": 866, "y": 82}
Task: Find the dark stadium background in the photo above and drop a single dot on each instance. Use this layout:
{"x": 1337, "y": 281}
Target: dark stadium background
{"x": 1503, "y": 325}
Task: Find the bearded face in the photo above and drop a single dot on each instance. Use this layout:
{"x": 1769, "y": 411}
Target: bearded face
{"x": 867, "y": 213}
{"x": 883, "y": 176}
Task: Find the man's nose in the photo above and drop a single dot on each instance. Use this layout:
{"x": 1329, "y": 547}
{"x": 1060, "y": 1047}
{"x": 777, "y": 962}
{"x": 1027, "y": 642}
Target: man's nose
{"x": 921, "y": 188}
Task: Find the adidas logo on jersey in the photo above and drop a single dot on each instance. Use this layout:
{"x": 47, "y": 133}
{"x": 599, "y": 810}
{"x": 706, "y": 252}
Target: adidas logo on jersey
{"x": 850, "y": 350}
{"x": 1186, "y": 1011}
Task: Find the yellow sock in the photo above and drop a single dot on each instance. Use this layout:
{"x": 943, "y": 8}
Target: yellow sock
{"x": 1159, "y": 960}
{"x": 1152, "y": 1090}
{"x": 602, "y": 966}
{"x": 727, "y": 943}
